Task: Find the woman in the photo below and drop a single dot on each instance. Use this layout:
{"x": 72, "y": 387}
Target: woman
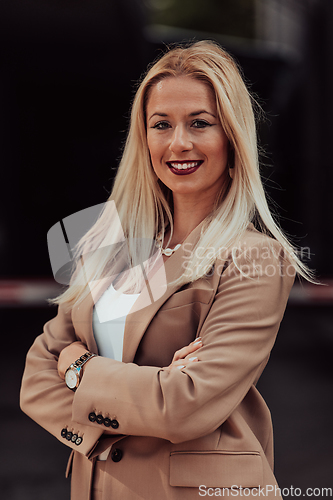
{"x": 167, "y": 407}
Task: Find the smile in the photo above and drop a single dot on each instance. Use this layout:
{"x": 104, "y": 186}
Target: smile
{"x": 184, "y": 167}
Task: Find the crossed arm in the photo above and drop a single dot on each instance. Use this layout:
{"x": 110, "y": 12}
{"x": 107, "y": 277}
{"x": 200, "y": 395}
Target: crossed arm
{"x": 180, "y": 359}
{"x": 170, "y": 403}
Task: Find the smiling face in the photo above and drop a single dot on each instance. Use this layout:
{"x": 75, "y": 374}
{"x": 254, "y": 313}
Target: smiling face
{"x": 187, "y": 144}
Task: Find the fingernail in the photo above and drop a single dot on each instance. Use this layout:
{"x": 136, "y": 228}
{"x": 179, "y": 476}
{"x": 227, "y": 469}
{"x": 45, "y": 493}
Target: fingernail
{"x": 193, "y": 359}
{"x": 197, "y": 342}
{"x": 180, "y": 367}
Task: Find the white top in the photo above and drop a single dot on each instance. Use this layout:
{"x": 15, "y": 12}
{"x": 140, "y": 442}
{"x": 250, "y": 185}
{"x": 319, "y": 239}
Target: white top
{"x": 109, "y": 316}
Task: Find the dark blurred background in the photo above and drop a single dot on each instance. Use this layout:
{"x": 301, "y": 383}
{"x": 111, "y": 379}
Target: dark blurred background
{"x": 67, "y": 77}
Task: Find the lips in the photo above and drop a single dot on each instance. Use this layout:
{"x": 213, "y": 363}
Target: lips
{"x": 184, "y": 167}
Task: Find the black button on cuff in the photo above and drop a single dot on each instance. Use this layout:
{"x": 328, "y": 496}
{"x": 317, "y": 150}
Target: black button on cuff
{"x": 100, "y": 419}
{"x": 116, "y": 455}
{"x": 70, "y": 436}
{"x": 114, "y": 424}
{"x": 107, "y": 422}
{"x": 92, "y": 416}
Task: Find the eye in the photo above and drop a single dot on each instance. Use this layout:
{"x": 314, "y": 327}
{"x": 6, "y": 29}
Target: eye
{"x": 161, "y": 125}
{"x": 200, "y": 124}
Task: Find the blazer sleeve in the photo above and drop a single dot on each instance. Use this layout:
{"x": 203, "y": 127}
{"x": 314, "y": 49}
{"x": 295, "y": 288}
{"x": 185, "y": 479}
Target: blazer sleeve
{"x": 44, "y": 396}
{"x": 238, "y": 335}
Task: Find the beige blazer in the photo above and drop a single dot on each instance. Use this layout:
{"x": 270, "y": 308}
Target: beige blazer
{"x": 172, "y": 433}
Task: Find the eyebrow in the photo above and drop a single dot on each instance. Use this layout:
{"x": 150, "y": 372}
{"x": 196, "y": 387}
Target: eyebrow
{"x": 195, "y": 113}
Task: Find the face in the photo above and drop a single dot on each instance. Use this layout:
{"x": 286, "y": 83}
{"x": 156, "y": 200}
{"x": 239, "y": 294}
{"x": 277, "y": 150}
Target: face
{"x": 188, "y": 146}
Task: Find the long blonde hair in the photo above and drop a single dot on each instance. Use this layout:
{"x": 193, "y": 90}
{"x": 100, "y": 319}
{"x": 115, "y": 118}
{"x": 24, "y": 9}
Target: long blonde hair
{"x": 144, "y": 204}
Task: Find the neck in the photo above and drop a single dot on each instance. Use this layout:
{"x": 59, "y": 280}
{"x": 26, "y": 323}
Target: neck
{"x": 187, "y": 216}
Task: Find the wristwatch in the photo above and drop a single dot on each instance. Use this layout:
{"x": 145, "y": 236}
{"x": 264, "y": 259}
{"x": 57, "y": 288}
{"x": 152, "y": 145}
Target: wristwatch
{"x": 73, "y": 372}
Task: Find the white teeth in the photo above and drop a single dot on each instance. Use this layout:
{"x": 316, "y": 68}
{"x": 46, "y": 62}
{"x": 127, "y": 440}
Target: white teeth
{"x": 184, "y": 166}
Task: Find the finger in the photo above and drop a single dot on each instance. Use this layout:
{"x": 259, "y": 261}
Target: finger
{"x": 185, "y": 351}
{"x": 175, "y": 364}
{"x": 185, "y": 363}
{"x": 181, "y": 363}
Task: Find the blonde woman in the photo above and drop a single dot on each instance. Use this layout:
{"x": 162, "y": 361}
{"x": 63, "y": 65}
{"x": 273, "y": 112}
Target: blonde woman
{"x": 163, "y": 402}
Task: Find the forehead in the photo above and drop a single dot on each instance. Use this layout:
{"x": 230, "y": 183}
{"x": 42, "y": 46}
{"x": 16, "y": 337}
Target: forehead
{"x": 180, "y": 92}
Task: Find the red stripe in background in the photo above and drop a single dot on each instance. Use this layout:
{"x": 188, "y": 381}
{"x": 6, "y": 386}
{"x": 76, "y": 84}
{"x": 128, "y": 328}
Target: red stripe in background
{"x": 35, "y": 292}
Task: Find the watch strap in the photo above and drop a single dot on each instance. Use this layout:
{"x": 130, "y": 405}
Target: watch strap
{"x": 77, "y": 366}
{"x": 82, "y": 360}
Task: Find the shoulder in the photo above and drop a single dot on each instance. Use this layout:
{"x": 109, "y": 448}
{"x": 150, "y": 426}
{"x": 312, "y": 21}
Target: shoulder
{"x": 257, "y": 255}
{"x": 252, "y": 238}
{"x": 254, "y": 245}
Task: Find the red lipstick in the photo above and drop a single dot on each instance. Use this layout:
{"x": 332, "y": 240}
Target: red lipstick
{"x": 184, "y": 167}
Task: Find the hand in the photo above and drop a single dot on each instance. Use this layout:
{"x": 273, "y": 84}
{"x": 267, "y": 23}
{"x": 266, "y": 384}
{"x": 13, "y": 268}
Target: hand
{"x": 184, "y": 356}
{"x": 69, "y": 355}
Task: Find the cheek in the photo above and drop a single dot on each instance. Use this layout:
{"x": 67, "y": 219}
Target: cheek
{"x": 153, "y": 155}
{"x": 151, "y": 144}
{"x": 155, "y": 149}
{"x": 222, "y": 148}
{"x": 217, "y": 149}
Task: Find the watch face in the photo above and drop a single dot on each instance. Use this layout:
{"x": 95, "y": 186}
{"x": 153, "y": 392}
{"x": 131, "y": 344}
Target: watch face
{"x": 71, "y": 378}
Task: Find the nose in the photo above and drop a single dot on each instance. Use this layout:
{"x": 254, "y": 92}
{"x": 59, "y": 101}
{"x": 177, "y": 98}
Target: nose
{"x": 181, "y": 140}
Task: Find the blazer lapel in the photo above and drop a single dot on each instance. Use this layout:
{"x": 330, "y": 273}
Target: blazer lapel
{"x": 144, "y": 308}
{"x": 152, "y": 297}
